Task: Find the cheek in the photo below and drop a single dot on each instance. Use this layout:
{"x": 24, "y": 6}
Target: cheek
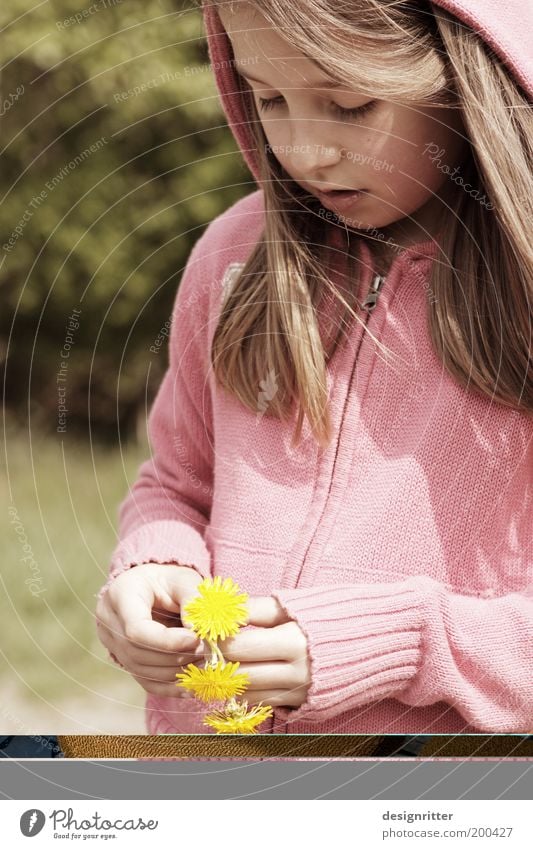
{"x": 273, "y": 131}
{"x": 416, "y": 174}
{"x": 274, "y": 135}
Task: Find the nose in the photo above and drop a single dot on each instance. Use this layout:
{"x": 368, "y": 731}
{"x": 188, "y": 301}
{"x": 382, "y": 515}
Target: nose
{"x": 311, "y": 152}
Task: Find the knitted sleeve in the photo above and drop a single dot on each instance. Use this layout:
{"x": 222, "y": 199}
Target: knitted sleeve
{"x": 164, "y": 516}
{"x": 418, "y": 643}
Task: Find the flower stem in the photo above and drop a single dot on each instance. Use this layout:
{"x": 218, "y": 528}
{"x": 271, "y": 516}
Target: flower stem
{"x": 216, "y": 655}
{"x": 232, "y": 707}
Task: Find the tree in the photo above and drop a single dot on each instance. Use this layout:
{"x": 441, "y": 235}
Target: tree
{"x": 116, "y": 155}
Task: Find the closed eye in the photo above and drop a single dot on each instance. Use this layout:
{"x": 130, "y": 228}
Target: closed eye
{"x": 271, "y": 103}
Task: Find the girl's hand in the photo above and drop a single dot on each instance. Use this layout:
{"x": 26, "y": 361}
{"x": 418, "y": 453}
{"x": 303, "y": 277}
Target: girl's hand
{"x": 274, "y": 655}
{"x": 130, "y": 617}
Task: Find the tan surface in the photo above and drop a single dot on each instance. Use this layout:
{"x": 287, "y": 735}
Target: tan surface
{"x": 505, "y": 746}
{"x": 233, "y": 746}
{"x": 283, "y": 746}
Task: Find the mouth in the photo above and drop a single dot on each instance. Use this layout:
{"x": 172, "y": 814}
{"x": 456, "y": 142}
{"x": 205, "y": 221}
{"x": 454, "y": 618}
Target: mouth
{"x": 339, "y": 198}
{"x": 317, "y": 191}
{"x": 339, "y": 192}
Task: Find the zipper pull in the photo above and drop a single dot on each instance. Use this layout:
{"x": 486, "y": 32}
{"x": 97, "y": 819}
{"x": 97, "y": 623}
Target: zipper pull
{"x": 371, "y": 299}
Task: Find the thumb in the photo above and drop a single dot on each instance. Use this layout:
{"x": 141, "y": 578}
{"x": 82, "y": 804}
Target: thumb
{"x": 182, "y": 584}
{"x": 266, "y": 612}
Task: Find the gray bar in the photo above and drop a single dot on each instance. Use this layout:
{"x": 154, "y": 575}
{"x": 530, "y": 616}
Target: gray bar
{"x": 416, "y": 779}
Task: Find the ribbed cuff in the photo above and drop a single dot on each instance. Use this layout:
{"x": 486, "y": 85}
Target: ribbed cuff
{"x": 364, "y": 643}
{"x": 162, "y": 541}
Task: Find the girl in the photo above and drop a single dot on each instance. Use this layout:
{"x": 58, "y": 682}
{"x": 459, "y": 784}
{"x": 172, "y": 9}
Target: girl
{"x": 345, "y": 424}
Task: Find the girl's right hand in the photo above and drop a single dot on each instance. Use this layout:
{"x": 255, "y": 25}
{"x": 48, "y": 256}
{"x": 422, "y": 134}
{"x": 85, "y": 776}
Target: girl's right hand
{"x": 148, "y": 649}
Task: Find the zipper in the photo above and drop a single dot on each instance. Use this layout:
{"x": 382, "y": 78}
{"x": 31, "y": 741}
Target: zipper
{"x": 375, "y": 287}
{"x": 368, "y": 304}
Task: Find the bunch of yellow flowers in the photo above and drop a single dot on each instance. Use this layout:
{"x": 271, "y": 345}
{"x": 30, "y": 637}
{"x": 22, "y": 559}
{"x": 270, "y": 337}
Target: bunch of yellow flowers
{"x": 216, "y": 613}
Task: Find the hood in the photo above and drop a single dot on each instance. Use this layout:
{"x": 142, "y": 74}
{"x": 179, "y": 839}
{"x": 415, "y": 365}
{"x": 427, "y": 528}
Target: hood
{"x": 505, "y": 25}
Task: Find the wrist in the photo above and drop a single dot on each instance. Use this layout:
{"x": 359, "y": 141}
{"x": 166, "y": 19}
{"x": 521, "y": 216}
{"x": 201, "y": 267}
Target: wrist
{"x": 165, "y": 564}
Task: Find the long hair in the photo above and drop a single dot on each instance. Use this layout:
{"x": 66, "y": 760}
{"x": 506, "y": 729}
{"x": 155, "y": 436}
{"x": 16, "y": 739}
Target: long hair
{"x": 480, "y": 321}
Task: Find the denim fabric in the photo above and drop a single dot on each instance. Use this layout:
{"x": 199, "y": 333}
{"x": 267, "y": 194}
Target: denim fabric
{"x": 36, "y": 746}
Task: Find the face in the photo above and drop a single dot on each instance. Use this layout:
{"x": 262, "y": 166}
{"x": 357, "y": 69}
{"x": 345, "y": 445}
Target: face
{"x": 332, "y": 137}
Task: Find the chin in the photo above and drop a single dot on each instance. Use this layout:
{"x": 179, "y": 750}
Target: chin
{"x": 361, "y": 225}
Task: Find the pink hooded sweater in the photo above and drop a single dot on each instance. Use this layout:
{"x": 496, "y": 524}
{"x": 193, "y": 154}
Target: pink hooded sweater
{"x": 404, "y": 549}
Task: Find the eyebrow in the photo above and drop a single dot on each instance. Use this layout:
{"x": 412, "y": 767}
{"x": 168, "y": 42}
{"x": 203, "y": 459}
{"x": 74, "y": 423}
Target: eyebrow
{"x": 324, "y": 84}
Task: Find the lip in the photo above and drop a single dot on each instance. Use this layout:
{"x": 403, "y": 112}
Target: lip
{"x": 341, "y": 200}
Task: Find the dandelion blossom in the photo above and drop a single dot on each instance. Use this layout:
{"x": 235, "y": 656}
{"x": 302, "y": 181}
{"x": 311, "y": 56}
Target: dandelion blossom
{"x": 237, "y": 719}
{"x": 213, "y": 684}
{"x": 219, "y": 609}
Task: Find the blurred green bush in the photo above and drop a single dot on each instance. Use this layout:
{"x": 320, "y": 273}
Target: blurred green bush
{"x": 116, "y": 155}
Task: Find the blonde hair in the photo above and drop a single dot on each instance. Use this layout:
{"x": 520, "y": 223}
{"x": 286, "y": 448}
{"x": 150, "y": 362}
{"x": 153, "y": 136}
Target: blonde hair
{"x": 480, "y": 323}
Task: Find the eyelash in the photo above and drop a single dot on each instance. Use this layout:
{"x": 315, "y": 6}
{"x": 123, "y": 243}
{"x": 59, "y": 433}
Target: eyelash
{"x": 358, "y": 112}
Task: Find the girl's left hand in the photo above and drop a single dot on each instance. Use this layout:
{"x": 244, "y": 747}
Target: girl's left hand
{"x": 273, "y": 654}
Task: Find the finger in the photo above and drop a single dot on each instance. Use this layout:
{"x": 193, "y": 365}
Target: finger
{"x": 163, "y": 689}
{"x": 270, "y": 676}
{"x": 254, "y": 646}
{"x": 265, "y": 612}
{"x": 170, "y": 618}
{"x": 148, "y": 657}
{"x": 108, "y": 629}
{"x": 181, "y": 585}
{"x": 283, "y": 642}
{"x": 134, "y": 612}
{"x": 276, "y": 698}
{"x": 104, "y": 610}
{"x": 153, "y": 636}
{"x": 186, "y": 645}
{"x": 131, "y": 657}
{"x": 161, "y": 674}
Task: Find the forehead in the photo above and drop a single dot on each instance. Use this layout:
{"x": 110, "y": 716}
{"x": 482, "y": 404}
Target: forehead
{"x": 261, "y": 51}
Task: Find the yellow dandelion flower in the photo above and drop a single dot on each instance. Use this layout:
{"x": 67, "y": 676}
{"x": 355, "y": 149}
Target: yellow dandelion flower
{"x": 213, "y": 684}
{"x": 238, "y": 719}
{"x": 219, "y": 609}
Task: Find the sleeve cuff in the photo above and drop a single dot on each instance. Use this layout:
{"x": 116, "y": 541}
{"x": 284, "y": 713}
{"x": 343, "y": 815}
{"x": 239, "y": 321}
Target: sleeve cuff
{"x": 163, "y": 541}
{"x": 364, "y": 643}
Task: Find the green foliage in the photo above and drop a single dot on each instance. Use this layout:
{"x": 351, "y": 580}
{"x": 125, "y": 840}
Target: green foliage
{"x": 116, "y": 155}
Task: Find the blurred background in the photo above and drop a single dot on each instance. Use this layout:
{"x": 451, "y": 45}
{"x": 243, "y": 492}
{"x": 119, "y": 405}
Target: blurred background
{"x": 115, "y": 157}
